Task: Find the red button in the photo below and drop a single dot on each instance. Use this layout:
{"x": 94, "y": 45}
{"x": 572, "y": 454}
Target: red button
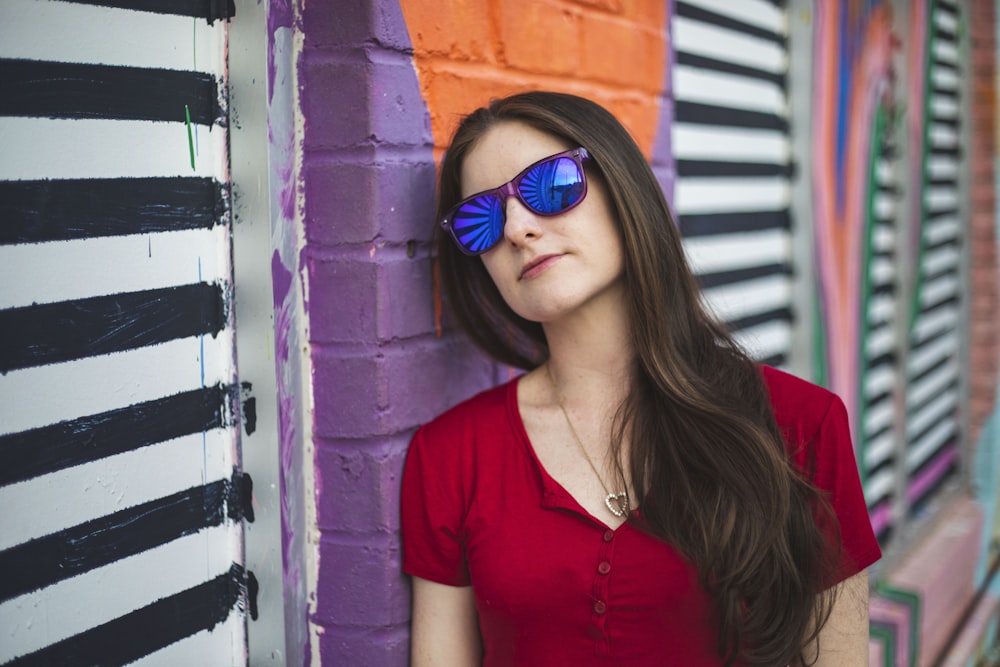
{"x": 600, "y": 607}
{"x": 604, "y": 567}
{"x": 609, "y": 535}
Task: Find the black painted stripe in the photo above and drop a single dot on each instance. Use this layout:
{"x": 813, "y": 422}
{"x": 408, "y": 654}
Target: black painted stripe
{"x": 952, "y": 152}
{"x": 946, "y": 64}
{"x": 54, "y": 332}
{"x": 73, "y": 442}
{"x": 775, "y": 315}
{"x": 934, "y": 213}
{"x": 38, "y": 88}
{"x": 919, "y": 506}
{"x": 714, "y": 64}
{"x": 947, "y": 6}
{"x": 949, "y": 93}
{"x": 874, "y": 401}
{"x": 939, "y": 182}
{"x": 696, "y": 168}
{"x": 877, "y": 468}
{"x": 946, "y": 444}
{"x": 885, "y": 358}
{"x": 210, "y": 10}
{"x": 710, "y": 114}
{"x": 942, "y": 272}
{"x": 943, "y": 360}
{"x": 719, "y": 278}
{"x": 47, "y": 560}
{"x": 155, "y": 626}
{"x": 945, "y": 34}
{"x": 777, "y": 360}
{"x": 706, "y": 224}
{"x": 60, "y": 210}
{"x": 706, "y": 16}
{"x": 889, "y": 189}
{"x": 880, "y": 289}
{"x": 952, "y": 432}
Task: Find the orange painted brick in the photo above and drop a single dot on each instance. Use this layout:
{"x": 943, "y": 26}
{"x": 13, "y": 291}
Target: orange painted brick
{"x": 457, "y": 90}
{"x": 540, "y": 37}
{"x": 611, "y": 6}
{"x": 452, "y": 28}
{"x": 625, "y": 53}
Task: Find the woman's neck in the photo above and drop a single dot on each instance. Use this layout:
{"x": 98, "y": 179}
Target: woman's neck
{"x": 590, "y": 359}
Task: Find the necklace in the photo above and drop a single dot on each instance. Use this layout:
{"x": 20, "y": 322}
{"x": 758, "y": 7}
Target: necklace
{"x": 617, "y": 503}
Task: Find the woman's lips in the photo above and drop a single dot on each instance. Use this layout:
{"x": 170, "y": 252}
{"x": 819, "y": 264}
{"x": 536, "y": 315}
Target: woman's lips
{"x": 538, "y": 265}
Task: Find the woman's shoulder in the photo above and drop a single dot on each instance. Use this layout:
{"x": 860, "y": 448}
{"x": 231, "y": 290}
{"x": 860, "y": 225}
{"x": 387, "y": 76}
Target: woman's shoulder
{"x": 479, "y": 413}
{"x": 800, "y": 407}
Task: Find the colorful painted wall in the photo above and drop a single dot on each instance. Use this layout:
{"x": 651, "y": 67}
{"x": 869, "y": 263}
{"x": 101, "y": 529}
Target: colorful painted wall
{"x": 832, "y": 165}
{"x": 122, "y": 493}
{"x": 381, "y": 88}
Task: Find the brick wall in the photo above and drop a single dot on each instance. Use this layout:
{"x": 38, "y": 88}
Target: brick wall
{"x": 379, "y": 369}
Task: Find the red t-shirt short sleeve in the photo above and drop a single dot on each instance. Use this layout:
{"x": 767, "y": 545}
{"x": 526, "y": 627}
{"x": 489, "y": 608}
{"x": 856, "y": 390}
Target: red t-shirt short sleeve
{"x": 553, "y": 585}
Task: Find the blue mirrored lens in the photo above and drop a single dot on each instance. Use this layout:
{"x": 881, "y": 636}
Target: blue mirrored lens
{"x": 552, "y": 186}
{"x": 478, "y": 223}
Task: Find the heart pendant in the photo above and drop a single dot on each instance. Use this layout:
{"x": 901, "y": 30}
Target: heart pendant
{"x": 617, "y": 503}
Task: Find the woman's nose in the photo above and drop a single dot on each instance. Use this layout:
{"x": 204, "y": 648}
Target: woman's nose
{"x": 522, "y": 224}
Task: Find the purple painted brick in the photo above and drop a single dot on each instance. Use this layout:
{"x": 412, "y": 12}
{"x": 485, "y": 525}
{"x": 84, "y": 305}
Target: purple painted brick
{"x": 349, "y": 393}
{"x": 355, "y": 399}
{"x": 384, "y": 647}
{"x": 361, "y": 484}
{"x": 398, "y": 112}
{"x": 343, "y": 304}
{"x": 363, "y": 583}
{"x": 376, "y": 194}
{"x": 353, "y": 101}
{"x": 374, "y": 21}
{"x": 406, "y": 298}
{"x": 334, "y": 101}
{"x": 429, "y": 376}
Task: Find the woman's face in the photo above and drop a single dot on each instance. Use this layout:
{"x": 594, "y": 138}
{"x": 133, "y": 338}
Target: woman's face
{"x": 547, "y": 268}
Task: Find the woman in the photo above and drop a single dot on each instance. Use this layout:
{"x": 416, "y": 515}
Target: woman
{"x": 644, "y": 494}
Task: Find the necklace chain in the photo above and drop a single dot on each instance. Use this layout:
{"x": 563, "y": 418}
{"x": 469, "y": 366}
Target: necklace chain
{"x": 617, "y": 503}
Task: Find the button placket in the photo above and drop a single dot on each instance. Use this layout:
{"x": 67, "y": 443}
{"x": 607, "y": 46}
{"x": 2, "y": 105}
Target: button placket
{"x": 600, "y": 590}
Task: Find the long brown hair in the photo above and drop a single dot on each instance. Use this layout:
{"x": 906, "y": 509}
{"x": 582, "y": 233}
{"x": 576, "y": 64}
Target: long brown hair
{"x": 706, "y": 455}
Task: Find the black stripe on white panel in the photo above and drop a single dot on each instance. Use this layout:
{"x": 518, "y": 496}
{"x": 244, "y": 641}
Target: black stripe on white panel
{"x": 881, "y": 374}
{"x": 34, "y": 88}
{"x": 210, "y": 10}
{"x": 730, "y": 140}
{"x": 37, "y": 211}
{"x": 932, "y": 428}
{"x": 73, "y": 442}
{"x": 119, "y": 440}
{"x": 150, "y": 628}
{"x": 52, "y": 558}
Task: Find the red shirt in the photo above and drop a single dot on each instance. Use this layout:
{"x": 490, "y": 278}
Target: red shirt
{"x": 553, "y": 585}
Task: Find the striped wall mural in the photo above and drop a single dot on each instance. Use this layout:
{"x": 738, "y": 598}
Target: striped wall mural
{"x": 855, "y": 218}
{"x": 731, "y": 142}
{"x": 935, "y": 332}
{"x": 120, "y": 483}
{"x": 880, "y": 376}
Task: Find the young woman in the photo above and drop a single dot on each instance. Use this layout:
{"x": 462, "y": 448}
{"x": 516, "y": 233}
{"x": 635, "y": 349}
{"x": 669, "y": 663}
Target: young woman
{"x": 644, "y": 494}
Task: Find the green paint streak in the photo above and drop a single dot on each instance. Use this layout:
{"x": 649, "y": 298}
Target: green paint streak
{"x": 887, "y": 638}
{"x": 911, "y": 600}
{"x": 819, "y": 336}
{"x": 187, "y": 120}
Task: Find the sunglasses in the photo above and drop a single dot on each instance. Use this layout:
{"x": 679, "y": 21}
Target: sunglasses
{"x": 551, "y": 186}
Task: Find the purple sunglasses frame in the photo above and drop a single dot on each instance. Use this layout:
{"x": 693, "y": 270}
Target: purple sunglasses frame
{"x": 579, "y": 155}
